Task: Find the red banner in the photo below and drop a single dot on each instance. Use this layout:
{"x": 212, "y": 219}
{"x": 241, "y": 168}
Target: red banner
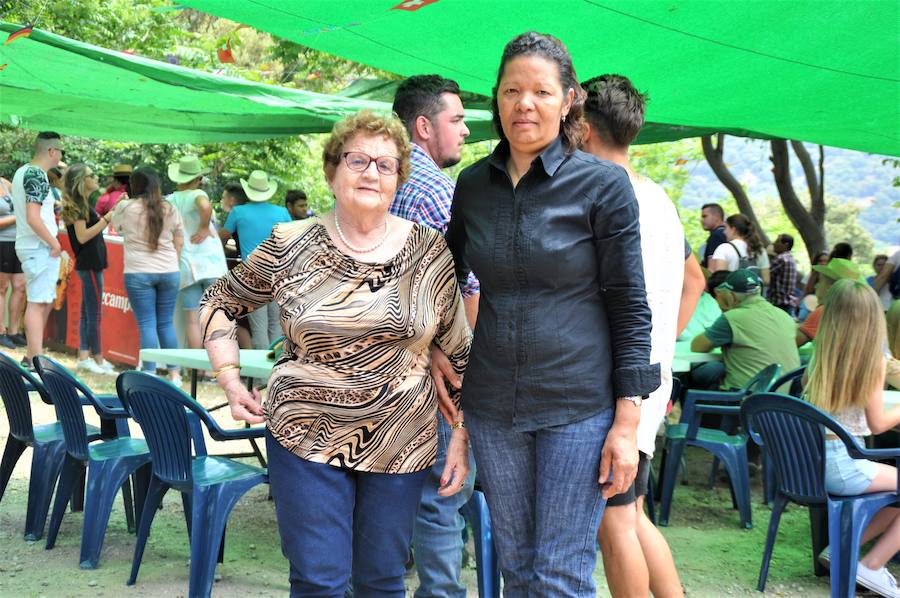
{"x": 119, "y": 337}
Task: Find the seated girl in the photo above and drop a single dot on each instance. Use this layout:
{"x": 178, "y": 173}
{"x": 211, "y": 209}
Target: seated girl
{"x": 847, "y": 380}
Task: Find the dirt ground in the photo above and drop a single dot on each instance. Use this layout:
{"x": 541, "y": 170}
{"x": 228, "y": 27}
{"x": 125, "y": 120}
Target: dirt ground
{"x": 714, "y": 556}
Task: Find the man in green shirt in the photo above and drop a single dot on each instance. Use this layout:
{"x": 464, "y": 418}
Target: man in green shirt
{"x": 752, "y": 332}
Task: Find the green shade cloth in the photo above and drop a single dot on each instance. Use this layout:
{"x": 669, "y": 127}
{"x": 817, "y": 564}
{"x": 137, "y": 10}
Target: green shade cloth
{"x": 54, "y": 83}
{"x": 822, "y": 71}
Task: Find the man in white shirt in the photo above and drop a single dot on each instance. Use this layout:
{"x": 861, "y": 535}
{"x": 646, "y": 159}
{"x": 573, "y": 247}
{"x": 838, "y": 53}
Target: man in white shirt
{"x": 636, "y": 557}
{"x": 36, "y": 244}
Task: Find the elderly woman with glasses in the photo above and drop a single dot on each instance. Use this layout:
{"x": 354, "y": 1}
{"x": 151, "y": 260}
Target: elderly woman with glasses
{"x": 350, "y": 412}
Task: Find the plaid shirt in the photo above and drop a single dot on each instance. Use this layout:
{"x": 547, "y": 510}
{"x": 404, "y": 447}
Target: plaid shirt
{"x": 425, "y": 198}
{"x": 783, "y": 278}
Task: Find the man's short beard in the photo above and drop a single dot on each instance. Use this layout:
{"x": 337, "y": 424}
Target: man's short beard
{"x": 452, "y": 161}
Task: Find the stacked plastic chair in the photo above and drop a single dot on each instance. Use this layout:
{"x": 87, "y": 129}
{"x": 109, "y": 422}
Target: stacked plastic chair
{"x": 109, "y": 463}
{"x": 793, "y": 433}
{"x": 46, "y": 440}
{"x": 210, "y": 486}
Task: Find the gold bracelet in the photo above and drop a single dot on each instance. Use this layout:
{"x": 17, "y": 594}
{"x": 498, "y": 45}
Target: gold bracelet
{"x": 460, "y": 425}
{"x": 225, "y": 368}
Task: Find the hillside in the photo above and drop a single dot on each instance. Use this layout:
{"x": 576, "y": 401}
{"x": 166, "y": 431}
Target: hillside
{"x": 851, "y": 176}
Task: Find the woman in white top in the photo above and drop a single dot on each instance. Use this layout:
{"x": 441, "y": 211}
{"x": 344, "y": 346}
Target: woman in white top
{"x": 743, "y": 244}
{"x": 847, "y": 381}
{"x": 153, "y": 235}
{"x": 202, "y": 257}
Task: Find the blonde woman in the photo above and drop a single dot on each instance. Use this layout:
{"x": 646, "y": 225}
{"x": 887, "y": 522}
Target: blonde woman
{"x": 85, "y": 228}
{"x": 846, "y": 381}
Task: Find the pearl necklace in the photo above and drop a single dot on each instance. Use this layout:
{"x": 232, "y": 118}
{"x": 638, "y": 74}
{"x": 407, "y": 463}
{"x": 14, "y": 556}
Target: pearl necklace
{"x": 354, "y": 249}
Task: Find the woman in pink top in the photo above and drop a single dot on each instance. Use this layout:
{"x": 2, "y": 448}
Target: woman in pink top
{"x": 153, "y": 235}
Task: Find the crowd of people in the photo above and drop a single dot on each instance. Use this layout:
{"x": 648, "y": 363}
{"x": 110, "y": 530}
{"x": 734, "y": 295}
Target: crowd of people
{"x": 173, "y": 248}
{"x": 387, "y": 394}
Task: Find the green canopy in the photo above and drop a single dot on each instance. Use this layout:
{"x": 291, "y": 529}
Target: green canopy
{"x": 823, "y": 71}
{"x": 54, "y": 83}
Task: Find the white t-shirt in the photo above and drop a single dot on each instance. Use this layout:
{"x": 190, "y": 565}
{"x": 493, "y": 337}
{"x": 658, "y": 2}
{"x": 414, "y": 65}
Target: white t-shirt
{"x": 30, "y": 185}
{"x": 662, "y": 249}
{"x": 726, "y": 252}
{"x": 885, "y": 293}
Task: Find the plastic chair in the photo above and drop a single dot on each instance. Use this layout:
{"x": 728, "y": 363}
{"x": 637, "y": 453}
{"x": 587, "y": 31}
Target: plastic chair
{"x": 730, "y": 449}
{"x": 487, "y": 566}
{"x": 795, "y": 377}
{"x": 109, "y": 463}
{"x": 650, "y": 496}
{"x": 210, "y": 486}
{"x": 46, "y": 440}
{"x": 793, "y": 432}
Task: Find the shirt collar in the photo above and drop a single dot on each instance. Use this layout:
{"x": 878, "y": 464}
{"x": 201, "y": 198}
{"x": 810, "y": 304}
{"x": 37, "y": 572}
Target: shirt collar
{"x": 420, "y": 155}
{"x": 550, "y": 159}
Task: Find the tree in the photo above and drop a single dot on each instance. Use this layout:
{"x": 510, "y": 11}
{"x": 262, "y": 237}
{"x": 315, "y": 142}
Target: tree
{"x": 809, "y": 220}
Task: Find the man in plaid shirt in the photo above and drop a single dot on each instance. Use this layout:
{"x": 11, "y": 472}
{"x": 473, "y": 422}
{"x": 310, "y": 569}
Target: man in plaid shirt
{"x": 783, "y": 274}
{"x": 430, "y": 107}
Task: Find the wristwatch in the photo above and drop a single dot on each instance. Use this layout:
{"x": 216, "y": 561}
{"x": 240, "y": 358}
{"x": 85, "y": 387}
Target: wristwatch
{"x": 635, "y": 399}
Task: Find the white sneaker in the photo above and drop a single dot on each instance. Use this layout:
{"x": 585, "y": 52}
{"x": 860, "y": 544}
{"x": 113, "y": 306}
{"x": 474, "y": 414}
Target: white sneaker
{"x": 90, "y": 365}
{"x": 825, "y": 556}
{"x": 110, "y": 368}
{"x": 879, "y": 581}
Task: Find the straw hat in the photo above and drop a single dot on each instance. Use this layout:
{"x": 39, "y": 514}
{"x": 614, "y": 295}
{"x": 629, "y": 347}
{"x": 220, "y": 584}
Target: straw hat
{"x": 122, "y": 169}
{"x": 186, "y": 169}
{"x": 259, "y": 187}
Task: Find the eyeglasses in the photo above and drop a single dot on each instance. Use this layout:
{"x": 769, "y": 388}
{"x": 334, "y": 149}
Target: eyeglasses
{"x": 359, "y": 162}
{"x": 88, "y": 175}
{"x": 61, "y": 151}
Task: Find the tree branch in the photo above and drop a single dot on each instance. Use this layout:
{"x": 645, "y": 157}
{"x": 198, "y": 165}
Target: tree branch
{"x": 715, "y": 158}
{"x": 813, "y": 233}
{"x": 813, "y": 183}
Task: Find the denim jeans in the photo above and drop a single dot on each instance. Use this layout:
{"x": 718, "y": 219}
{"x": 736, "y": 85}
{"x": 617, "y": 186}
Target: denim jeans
{"x": 334, "y": 521}
{"x": 265, "y": 325}
{"x": 542, "y": 491}
{"x": 437, "y": 535}
{"x": 152, "y": 296}
{"x": 89, "y": 324}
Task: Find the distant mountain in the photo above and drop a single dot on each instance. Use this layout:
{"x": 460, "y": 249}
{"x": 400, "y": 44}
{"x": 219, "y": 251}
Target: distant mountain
{"x": 849, "y": 176}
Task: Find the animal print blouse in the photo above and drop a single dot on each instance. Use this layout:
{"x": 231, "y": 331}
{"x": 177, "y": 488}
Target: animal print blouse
{"x": 352, "y": 388}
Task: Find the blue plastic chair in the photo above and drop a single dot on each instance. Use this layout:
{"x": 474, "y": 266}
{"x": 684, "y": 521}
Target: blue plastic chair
{"x": 729, "y": 448}
{"x": 210, "y": 486}
{"x": 46, "y": 440}
{"x": 487, "y": 566}
{"x": 795, "y": 377}
{"x": 109, "y": 463}
{"x": 650, "y": 496}
{"x": 793, "y": 432}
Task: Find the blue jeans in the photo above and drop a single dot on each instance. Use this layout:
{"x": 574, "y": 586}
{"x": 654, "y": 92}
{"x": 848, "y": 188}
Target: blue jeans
{"x": 152, "y": 297}
{"x": 437, "y": 535}
{"x": 89, "y": 324}
{"x": 542, "y": 491}
{"x": 334, "y": 522}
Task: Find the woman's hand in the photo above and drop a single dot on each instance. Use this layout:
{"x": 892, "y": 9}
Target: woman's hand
{"x": 442, "y": 373}
{"x": 456, "y": 470}
{"x": 201, "y": 235}
{"x": 245, "y": 405}
{"x": 620, "y": 452}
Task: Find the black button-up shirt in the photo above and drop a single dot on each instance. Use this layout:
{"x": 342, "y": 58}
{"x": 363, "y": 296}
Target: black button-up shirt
{"x": 563, "y": 323}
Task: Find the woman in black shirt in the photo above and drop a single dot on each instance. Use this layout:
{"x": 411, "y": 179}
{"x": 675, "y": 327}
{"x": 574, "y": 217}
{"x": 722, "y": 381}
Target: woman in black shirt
{"x": 85, "y": 229}
{"x": 560, "y": 357}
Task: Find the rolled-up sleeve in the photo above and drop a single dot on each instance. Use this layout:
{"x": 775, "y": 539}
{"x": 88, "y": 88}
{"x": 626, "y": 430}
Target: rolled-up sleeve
{"x": 617, "y": 239}
{"x": 245, "y": 288}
